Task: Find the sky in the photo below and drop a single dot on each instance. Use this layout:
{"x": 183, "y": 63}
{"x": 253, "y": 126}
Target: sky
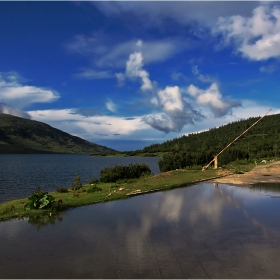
{"x": 129, "y": 74}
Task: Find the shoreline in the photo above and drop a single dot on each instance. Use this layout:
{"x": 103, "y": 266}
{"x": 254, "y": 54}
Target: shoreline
{"x": 266, "y": 173}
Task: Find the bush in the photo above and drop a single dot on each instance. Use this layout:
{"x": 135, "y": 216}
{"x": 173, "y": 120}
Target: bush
{"x": 62, "y": 190}
{"x": 94, "y": 189}
{"x": 93, "y": 181}
{"x": 120, "y": 172}
{"x": 77, "y": 184}
{"x": 39, "y": 200}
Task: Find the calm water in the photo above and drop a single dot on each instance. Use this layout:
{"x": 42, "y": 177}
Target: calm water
{"x": 203, "y": 231}
{"x": 21, "y": 174}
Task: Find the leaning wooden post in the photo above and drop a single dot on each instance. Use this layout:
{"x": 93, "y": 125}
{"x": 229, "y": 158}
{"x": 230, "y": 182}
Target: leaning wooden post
{"x": 215, "y": 162}
{"x": 216, "y": 157}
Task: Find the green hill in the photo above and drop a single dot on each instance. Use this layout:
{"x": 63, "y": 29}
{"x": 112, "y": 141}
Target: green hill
{"x": 18, "y": 135}
{"x": 260, "y": 142}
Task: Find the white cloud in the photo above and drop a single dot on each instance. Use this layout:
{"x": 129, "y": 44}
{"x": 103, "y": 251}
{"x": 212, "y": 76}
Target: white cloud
{"x": 145, "y": 127}
{"x": 213, "y": 98}
{"x": 121, "y": 78}
{"x": 171, "y": 99}
{"x": 154, "y": 13}
{"x": 268, "y": 68}
{"x": 91, "y": 74}
{"x": 177, "y": 75}
{"x": 18, "y": 95}
{"x": 5, "y": 109}
{"x": 256, "y": 37}
{"x": 176, "y": 111}
{"x": 105, "y": 52}
{"x": 91, "y": 127}
{"x": 134, "y": 69}
{"x": 163, "y": 122}
{"x": 202, "y": 78}
{"x": 248, "y": 109}
{"x": 111, "y": 106}
{"x": 139, "y": 43}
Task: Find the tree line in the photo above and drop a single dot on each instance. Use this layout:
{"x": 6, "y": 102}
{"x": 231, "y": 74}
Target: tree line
{"x": 197, "y": 149}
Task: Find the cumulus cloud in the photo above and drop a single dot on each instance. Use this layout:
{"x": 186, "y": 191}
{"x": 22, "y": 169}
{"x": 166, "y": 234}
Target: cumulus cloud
{"x": 164, "y": 122}
{"x": 171, "y": 99}
{"x": 5, "y": 109}
{"x": 134, "y": 69}
{"x": 111, "y": 106}
{"x": 13, "y": 92}
{"x": 213, "y": 98}
{"x": 256, "y": 37}
{"x": 176, "y": 111}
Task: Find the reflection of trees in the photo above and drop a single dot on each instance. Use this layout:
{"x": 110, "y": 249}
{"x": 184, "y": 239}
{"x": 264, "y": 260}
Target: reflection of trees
{"x": 247, "y": 215}
{"x": 273, "y": 187}
{"x": 45, "y": 219}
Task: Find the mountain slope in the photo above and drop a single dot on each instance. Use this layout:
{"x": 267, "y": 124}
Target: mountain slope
{"x": 261, "y": 141}
{"x": 18, "y": 135}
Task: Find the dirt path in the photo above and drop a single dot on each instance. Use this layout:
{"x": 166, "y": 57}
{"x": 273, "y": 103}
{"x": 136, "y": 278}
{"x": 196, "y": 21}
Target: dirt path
{"x": 268, "y": 173}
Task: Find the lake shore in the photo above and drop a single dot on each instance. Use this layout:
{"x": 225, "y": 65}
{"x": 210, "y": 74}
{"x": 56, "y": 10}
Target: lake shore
{"x": 264, "y": 173}
{"x": 267, "y": 173}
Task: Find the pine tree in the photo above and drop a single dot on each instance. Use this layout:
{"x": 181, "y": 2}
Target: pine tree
{"x": 77, "y": 184}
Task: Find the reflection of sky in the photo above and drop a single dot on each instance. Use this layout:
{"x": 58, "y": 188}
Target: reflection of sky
{"x": 129, "y": 226}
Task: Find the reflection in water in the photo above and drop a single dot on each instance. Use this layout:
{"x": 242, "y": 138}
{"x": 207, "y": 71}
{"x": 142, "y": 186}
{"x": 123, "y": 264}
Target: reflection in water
{"x": 43, "y": 220}
{"x": 246, "y": 214}
{"x": 274, "y": 188}
{"x": 200, "y": 231}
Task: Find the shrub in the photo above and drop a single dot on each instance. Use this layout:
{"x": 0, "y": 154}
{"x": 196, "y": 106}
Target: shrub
{"x": 94, "y": 189}
{"x": 77, "y": 184}
{"x": 93, "y": 181}
{"x": 62, "y": 190}
{"x": 120, "y": 172}
{"x": 39, "y": 200}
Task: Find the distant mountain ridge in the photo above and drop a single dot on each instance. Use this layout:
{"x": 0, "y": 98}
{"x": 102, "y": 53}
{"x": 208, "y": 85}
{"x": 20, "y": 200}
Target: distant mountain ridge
{"x": 18, "y": 135}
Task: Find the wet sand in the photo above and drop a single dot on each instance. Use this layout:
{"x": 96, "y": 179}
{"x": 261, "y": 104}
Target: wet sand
{"x": 264, "y": 173}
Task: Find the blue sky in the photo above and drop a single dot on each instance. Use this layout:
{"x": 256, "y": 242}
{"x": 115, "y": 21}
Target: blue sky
{"x": 128, "y": 74}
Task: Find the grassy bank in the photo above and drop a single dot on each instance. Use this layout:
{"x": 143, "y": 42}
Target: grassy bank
{"x": 113, "y": 191}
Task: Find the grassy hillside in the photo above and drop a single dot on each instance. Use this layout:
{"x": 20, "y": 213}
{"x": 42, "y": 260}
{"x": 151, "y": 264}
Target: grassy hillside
{"x": 18, "y": 135}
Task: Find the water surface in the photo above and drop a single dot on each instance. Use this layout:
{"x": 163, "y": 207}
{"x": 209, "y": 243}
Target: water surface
{"x": 20, "y": 175}
{"x": 202, "y": 231}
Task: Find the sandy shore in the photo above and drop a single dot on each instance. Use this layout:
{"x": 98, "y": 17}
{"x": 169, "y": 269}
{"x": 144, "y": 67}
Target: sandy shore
{"x": 264, "y": 173}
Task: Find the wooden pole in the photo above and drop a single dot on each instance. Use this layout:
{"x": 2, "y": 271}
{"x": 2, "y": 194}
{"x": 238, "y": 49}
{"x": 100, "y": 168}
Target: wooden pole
{"x": 216, "y": 166}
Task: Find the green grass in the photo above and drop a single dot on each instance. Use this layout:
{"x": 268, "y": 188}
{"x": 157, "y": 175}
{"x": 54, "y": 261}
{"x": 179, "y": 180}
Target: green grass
{"x": 114, "y": 191}
{"x": 110, "y": 191}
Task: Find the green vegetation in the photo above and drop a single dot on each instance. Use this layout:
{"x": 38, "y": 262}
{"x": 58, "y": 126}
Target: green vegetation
{"x": 39, "y": 200}
{"x": 77, "y": 184}
{"x": 93, "y": 181}
{"x": 197, "y": 149}
{"x": 119, "y": 172}
{"x": 18, "y": 135}
{"x": 62, "y": 190}
{"x": 102, "y": 192}
{"x": 185, "y": 156}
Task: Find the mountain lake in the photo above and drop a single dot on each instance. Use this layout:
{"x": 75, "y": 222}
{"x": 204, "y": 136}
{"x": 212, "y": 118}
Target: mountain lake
{"x": 207, "y": 230}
